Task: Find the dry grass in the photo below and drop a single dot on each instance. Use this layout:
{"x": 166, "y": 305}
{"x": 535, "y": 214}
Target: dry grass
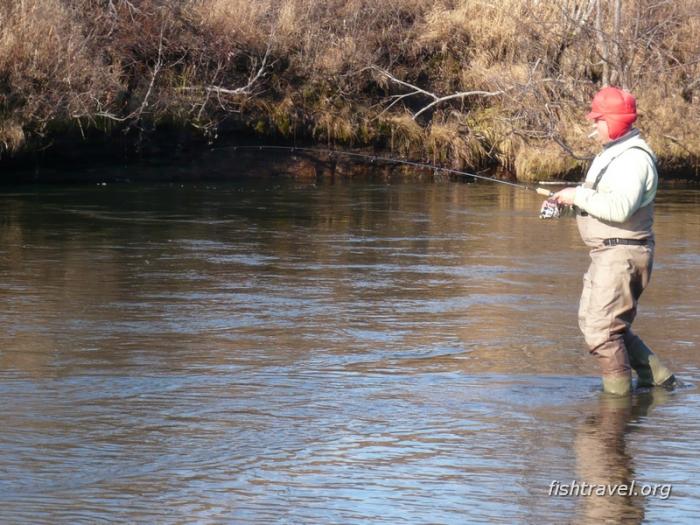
{"x": 405, "y": 135}
{"x": 46, "y": 70}
{"x": 452, "y": 143}
{"x": 12, "y": 136}
{"x": 244, "y": 22}
{"x": 538, "y": 163}
{"x": 136, "y": 64}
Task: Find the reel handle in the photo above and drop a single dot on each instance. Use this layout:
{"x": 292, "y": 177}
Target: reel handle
{"x": 545, "y": 192}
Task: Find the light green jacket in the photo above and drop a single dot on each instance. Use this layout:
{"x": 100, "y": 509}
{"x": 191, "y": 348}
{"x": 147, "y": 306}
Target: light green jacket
{"x": 628, "y": 184}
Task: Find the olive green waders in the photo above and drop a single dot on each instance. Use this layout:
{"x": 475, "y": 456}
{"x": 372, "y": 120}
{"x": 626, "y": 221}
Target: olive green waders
{"x": 616, "y": 278}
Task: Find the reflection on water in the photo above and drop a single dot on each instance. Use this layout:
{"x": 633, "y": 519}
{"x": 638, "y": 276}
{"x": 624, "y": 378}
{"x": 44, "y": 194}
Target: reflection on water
{"x": 344, "y": 353}
{"x": 602, "y": 459}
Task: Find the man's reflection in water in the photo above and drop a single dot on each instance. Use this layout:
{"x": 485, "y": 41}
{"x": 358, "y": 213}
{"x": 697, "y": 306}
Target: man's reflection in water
{"x": 602, "y": 458}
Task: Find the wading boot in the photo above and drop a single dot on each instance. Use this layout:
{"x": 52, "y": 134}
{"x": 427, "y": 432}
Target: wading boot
{"x": 671, "y": 383}
{"x": 617, "y": 385}
{"x": 650, "y": 370}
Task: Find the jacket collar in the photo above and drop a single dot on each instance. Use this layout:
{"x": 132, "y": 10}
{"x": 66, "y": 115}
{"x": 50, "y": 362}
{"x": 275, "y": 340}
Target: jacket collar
{"x": 634, "y": 132}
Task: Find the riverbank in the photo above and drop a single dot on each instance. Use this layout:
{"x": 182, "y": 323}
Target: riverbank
{"x": 227, "y": 160}
{"x": 465, "y": 85}
{"x": 174, "y": 156}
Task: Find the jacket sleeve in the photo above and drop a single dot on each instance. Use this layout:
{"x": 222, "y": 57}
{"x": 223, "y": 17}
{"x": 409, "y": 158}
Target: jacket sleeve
{"x": 620, "y": 192}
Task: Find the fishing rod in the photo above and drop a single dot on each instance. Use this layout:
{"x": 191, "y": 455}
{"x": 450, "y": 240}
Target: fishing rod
{"x": 389, "y": 160}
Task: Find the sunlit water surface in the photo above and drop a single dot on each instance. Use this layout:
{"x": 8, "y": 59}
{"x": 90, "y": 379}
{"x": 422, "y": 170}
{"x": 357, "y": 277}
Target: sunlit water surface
{"x": 353, "y": 353}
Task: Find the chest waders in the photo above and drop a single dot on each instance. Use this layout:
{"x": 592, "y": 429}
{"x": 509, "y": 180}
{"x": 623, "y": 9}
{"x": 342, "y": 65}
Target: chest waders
{"x": 622, "y": 257}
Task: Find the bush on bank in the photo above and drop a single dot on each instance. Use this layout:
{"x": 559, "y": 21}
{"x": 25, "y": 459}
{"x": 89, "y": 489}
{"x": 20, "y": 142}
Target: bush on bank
{"x": 356, "y": 73}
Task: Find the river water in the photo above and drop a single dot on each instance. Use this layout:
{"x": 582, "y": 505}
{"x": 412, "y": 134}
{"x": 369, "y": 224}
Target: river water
{"x": 352, "y": 353}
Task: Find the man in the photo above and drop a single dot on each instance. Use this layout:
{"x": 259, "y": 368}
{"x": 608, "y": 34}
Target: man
{"x": 615, "y": 216}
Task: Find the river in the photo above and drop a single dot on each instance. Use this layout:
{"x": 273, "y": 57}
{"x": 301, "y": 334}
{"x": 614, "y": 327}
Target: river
{"x": 353, "y": 352}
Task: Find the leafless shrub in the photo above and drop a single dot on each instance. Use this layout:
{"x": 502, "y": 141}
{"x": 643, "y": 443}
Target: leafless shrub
{"x": 47, "y": 70}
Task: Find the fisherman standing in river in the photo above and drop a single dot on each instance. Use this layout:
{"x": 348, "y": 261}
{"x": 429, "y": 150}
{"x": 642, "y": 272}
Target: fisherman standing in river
{"x": 615, "y": 213}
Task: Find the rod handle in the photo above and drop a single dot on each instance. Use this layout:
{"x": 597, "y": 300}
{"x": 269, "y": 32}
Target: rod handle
{"x": 544, "y": 191}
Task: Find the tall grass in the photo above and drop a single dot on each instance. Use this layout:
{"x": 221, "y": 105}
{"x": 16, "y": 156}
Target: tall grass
{"x": 127, "y": 64}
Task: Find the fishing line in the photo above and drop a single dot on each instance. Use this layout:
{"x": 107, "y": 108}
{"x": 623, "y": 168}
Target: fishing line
{"x": 389, "y": 160}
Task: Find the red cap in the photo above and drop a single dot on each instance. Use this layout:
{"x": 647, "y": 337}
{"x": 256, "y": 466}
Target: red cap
{"x": 617, "y": 107}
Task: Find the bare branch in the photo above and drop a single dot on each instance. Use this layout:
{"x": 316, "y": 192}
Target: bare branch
{"x": 604, "y": 53}
{"x": 556, "y": 138}
{"x": 436, "y": 99}
{"x": 461, "y": 94}
{"x": 397, "y": 99}
{"x": 136, "y": 114}
{"x": 403, "y": 83}
{"x": 678, "y": 142}
{"x": 156, "y": 69}
{"x": 243, "y": 90}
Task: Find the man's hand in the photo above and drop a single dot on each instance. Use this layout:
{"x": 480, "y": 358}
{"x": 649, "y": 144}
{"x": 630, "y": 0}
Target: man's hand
{"x": 565, "y": 196}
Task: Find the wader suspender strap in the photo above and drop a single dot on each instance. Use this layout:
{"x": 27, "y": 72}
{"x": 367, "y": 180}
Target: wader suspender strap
{"x": 602, "y": 172}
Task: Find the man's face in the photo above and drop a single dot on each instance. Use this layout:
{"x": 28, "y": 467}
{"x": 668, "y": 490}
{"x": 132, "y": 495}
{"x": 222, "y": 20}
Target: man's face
{"x": 602, "y": 131}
